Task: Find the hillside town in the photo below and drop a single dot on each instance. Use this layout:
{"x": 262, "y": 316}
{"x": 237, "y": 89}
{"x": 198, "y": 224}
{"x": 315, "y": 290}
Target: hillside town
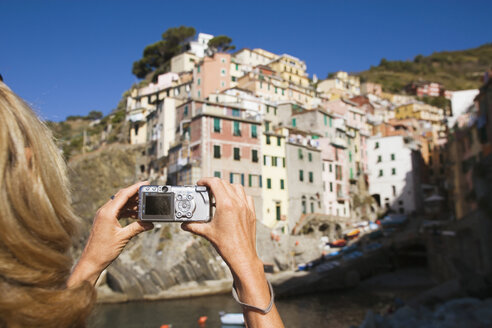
{"x": 338, "y": 147}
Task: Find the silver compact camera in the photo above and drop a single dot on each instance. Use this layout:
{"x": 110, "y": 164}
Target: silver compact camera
{"x": 174, "y": 203}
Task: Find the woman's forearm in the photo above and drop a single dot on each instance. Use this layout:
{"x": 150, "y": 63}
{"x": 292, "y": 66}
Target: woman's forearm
{"x": 252, "y": 288}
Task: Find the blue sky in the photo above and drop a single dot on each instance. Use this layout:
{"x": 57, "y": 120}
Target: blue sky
{"x": 70, "y": 57}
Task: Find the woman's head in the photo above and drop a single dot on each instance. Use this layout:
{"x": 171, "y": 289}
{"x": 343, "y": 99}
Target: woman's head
{"x": 36, "y": 224}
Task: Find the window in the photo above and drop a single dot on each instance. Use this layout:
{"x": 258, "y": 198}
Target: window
{"x": 301, "y": 175}
{"x": 223, "y": 72}
{"x": 299, "y": 153}
{"x": 279, "y": 142}
{"x": 198, "y": 81}
{"x": 264, "y": 160}
{"x": 310, "y": 157}
{"x": 380, "y": 159}
{"x": 338, "y": 172}
{"x": 237, "y": 130}
{"x": 325, "y": 119}
{"x": 217, "y": 174}
{"x": 274, "y": 161}
{"x": 330, "y": 167}
{"x": 198, "y": 69}
{"x": 275, "y": 89}
{"x": 254, "y": 155}
{"x": 222, "y": 84}
{"x": 294, "y": 122}
{"x": 237, "y": 155}
{"x": 186, "y": 110}
{"x": 267, "y": 126}
{"x": 392, "y": 157}
{"x": 237, "y": 67}
{"x": 380, "y": 173}
{"x": 394, "y": 190}
{"x": 282, "y": 92}
{"x": 254, "y": 133}
{"x": 267, "y": 139}
{"x": 199, "y": 94}
{"x": 282, "y": 184}
{"x": 311, "y": 177}
{"x": 331, "y": 186}
{"x": 303, "y": 206}
{"x": 223, "y": 60}
{"x": 393, "y": 171}
{"x": 216, "y": 151}
{"x": 217, "y": 125}
{"x": 235, "y": 112}
{"x": 330, "y": 122}
{"x": 261, "y": 85}
{"x": 283, "y": 162}
{"x": 312, "y": 207}
{"x": 233, "y": 78}
{"x": 269, "y": 183}
{"x": 376, "y": 145}
{"x": 277, "y": 211}
{"x": 350, "y": 156}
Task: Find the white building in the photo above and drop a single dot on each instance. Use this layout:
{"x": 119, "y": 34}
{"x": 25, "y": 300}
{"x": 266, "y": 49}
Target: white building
{"x": 394, "y": 173}
{"x": 199, "y": 47}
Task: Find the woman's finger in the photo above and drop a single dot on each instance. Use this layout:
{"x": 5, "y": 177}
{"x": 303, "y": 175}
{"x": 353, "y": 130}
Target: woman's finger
{"x": 135, "y": 228}
{"x": 122, "y": 196}
{"x": 216, "y": 187}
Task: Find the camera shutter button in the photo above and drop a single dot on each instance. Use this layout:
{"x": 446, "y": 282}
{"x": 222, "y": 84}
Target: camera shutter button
{"x": 190, "y": 197}
{"x": 179, "y": 197}
{"x": 188, "y": 214}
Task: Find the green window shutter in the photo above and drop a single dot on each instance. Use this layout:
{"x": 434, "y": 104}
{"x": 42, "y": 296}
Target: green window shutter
{"x": 330, "y": 122}
{"x": 264, "y": 160}
{"x": 275, "y": 89}
{"x": 310, "y": 176}
{"x": 278, "y": 141}
{"x": 242, "y": 179}
{"x": 261, "y": 181}
{"x": 237, "y": 67}
{"x": 217, "y": 125}
{"x": 198, "y": 68}
{"x": 277, "y": 210}
{"x": 254, "y": 155}
{"x": 269, "y": 183}
{"x": 283, "y": 160}
{"x": 294, "y": 122}
{"x": 325, "y": 119}
{"x": 217, "y": 174}
{"x": 231, "y": 177}
{"x": 350, "y": 156}
{"x": 268, "y": 139}
{"x": 282, "y": 186}
{"x": 310, "y": 157}
{"x": 351, "y": 173}
{"x": 186, "y": 110}
{"x": 254, "y": 133}
{"x": 237, "y": 129}
{"x": 250, "y": 180}
{"x": 301, "y": 175}
{"x": 216, "y": 151}
{"x": 282, "y": 92}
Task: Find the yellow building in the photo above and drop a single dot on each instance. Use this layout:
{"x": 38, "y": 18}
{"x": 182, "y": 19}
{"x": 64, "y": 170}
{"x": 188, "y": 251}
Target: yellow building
{"x": 341, "y": 82}
{"x": 291, "y": 69}
{"x": 420, "y": 111}
{"x": 274, "y": 179}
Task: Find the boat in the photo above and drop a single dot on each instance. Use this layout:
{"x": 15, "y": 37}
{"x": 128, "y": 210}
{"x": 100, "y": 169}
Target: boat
{"x": 235, "y": 319}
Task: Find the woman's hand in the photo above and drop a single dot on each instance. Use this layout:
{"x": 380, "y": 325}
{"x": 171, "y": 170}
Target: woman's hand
{"x": 108, "y": 237}
{"x": 232, "y": 230}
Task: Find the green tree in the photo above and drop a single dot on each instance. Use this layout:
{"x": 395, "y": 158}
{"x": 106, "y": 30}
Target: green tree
{"x": 221, "y": 43}
{"x": 158, "y": 54}
{"x": 94, "y": 115}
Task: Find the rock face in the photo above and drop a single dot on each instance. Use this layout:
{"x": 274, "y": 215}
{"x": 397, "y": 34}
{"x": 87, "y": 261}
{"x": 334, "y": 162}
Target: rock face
{"x": 166, "y": 256}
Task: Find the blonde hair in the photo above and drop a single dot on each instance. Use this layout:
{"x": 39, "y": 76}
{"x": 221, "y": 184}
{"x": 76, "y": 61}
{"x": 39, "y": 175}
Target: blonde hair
{"x": 37, "y": 225}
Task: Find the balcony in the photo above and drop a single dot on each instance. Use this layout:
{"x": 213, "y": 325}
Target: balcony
{"x": 339, "y": 142}
{"x": 175, "y": 167}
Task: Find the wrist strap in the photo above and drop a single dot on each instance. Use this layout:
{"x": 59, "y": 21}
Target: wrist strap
{"x": 263, "y": 311}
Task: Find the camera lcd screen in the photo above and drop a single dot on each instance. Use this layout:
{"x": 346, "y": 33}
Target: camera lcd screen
{"x": 159, "y": 205}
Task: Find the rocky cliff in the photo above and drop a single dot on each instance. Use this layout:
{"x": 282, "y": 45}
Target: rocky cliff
{"x": 166, "y": 260}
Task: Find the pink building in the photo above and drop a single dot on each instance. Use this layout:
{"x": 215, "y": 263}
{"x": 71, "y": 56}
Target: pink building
{"x": 217, "y": 140}
{"x": 211, "y": 75}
